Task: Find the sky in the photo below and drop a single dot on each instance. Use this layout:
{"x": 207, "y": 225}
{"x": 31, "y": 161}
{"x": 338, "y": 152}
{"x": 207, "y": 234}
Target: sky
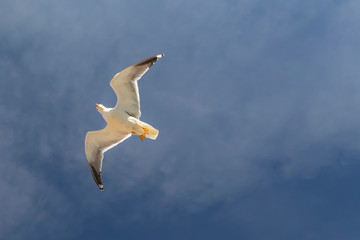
{"x": 256, "y": 102}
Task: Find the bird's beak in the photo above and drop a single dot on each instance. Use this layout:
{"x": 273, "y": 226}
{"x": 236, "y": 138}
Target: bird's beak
{"x": 97, "y": 107}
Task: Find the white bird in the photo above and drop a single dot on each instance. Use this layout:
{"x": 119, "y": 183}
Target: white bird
{"x": 122, "y": 120}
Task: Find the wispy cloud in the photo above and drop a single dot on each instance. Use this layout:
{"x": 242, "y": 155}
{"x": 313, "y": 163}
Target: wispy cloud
{"x": 248, "y": 93}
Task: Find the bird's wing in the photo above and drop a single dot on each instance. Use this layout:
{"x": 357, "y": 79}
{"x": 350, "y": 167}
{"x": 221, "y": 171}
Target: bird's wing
{"x": 125, "y": 86}
{"x": 96, "y": 144}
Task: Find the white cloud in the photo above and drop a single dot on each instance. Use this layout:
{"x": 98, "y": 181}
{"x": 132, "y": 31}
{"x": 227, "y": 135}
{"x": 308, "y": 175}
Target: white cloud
{"x": 246, "y": 95}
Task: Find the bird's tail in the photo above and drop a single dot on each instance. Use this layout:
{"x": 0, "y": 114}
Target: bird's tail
{"x": 152, "y": 132}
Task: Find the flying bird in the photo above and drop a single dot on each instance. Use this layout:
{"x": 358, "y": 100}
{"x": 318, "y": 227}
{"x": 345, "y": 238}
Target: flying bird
{"x": 122, "y": 120}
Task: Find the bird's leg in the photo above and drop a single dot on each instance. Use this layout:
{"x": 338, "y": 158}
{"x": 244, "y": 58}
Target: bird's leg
{"x": 142, "y": 136}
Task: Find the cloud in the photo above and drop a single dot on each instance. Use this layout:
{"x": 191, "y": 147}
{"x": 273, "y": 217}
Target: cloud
{"x": 248, "y": 93}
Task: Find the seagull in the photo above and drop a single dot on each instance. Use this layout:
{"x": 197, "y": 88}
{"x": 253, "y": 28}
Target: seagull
{"x": 122, "y": 120}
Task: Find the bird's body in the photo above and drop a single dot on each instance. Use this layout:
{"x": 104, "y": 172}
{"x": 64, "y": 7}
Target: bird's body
{"x": 122, "y": 120}
{"x": 115, "y": 118}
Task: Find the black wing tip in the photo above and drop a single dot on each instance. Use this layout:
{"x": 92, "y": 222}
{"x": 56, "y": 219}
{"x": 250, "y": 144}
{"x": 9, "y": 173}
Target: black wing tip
{"x": 150, "y": 60}
{"x": 96, "y": 177}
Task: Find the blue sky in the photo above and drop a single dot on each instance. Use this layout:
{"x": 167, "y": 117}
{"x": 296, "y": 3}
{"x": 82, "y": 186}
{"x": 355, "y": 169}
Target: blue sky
{"x": 256, "y": 103}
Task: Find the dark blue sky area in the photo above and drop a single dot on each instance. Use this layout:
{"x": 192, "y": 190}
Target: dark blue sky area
{"x": 257, "y": 103}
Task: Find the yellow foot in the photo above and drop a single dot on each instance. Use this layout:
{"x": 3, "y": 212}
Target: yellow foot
{"x": 142, "y": 137}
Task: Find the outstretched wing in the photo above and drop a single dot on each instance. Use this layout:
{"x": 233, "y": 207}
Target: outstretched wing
{"x": 125, "y": 86}
{"x": 96, "y": 144}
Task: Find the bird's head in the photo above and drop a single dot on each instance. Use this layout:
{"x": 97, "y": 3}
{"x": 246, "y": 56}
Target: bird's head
{"x": 100, "y": 108}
